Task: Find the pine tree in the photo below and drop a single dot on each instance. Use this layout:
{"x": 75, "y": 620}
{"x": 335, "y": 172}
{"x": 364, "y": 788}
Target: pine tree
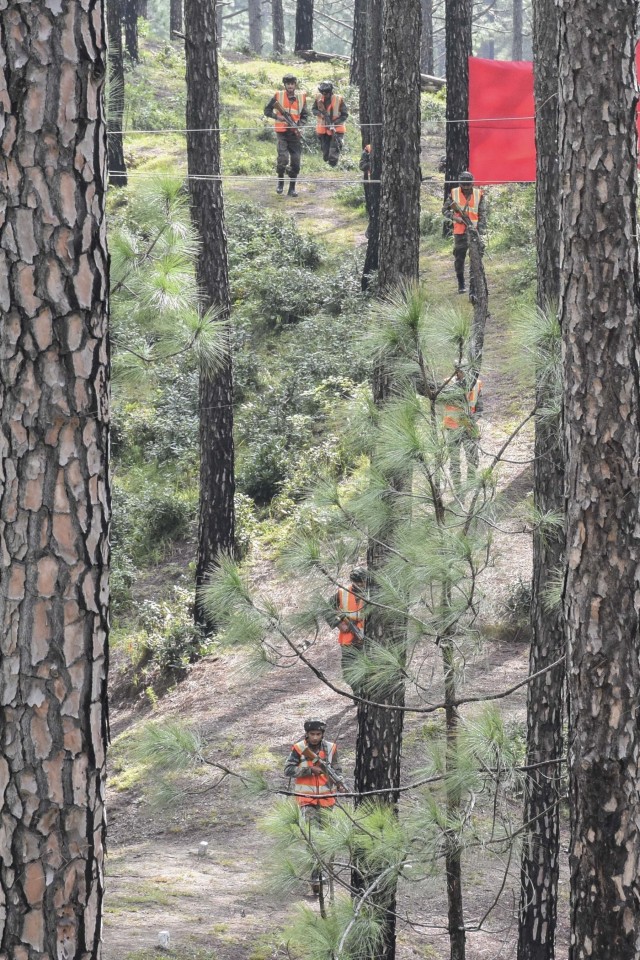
{"x": 116, "y": 162}
{"x": 545, "y": 694}
{"x": 304, "y": 25}
{"x": 277, "y": 14}
{"x": 599, "y": 320}
{"x": 459, "y": 47}
{"x": 54, "y": 491}
{"x": 216, "y": 531}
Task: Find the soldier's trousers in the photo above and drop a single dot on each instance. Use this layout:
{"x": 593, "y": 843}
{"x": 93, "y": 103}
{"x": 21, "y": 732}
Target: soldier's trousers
{"x": 462, "y": 438}
{"x": 289, "y": 154}
{"x": 313, "y": 816}
{"x": 460, "y": 247}
{"x": 331, "y": 144}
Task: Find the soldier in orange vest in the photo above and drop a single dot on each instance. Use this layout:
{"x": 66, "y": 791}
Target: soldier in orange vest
{"x": 331, "y": 113}
{"x": 314, "y": 790}
{"x": 288, "y": 107}
{"x": 349, "y": 619}
{"x": 471, "y": 201}
{"x": 461, "y": 411}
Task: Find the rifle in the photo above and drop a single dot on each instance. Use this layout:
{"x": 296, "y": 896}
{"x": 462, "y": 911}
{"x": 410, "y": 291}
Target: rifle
{"x": 328, "y": 119}
{"x": 461, "y": 211}
{"x": 288, "y": 119}
{"x": 326, "y": 768}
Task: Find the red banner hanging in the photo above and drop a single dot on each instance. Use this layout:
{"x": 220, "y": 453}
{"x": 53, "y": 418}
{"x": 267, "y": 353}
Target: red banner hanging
{"x": 502, "y": 144}
{"x": 501, "y": 121}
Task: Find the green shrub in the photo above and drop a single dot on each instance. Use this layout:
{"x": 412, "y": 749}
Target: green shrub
{"x": 172, "y": 640}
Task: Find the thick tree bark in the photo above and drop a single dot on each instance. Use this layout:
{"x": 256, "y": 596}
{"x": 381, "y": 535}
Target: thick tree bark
{"x": 458, "y": 50}
{"x": 115, "y": 110}
{"x": 217, "y": 481}
{"x": 358, "y": 46}
{"x": 545, "y": 694}
{"x": 304, "y": 25}
{"x": 516, "y": 48}
{"x": 279, "y": 40}
{"x": 54, "y": 487}
{"x": 372, "y": 131}
{"x": 400, "y": 201}
{"x": 130, "y": 20}
{"x": 599, "y": 319}
{"x": 219, "y": 24}
{"x": 255, "y": 25}
{"x": 175, "y": 18}
{"x": 380, "y": 729}
{"x": 426, "y": 43}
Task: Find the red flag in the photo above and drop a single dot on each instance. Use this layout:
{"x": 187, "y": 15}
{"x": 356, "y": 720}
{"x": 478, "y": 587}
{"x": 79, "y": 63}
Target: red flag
{"x": 502, "y": 144}
{"x": 501, "y": 121}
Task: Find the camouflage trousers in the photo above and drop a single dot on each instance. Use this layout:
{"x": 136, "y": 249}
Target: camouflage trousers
{"x": 331, "y": 147}
{"x": 289, "y": 155}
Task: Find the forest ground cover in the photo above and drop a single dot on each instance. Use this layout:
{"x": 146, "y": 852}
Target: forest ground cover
{"x": 294, "y": 366}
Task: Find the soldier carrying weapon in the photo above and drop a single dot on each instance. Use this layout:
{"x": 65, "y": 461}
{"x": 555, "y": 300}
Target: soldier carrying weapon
{"x": 313, "y": 764}
{"x": 331, "y": 113}
{"x": 288, "y": 107}
{"x": 467, "y": 208}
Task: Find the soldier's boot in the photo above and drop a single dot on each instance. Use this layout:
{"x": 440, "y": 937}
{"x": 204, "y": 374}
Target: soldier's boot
{"x": 292, "y": 188}
{"x": 280, "y": 187}
{"x": 461, "y": 286}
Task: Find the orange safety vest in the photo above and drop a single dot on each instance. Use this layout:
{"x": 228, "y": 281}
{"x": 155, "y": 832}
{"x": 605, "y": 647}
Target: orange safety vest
{"x": 349, "y": 606}
{"x": 293, "y": 107}
{"x": 315, "y": 790}
{"x": 469, "y": 205}
{"x": 453, "y": 412}
{"x": 333, "y": 110}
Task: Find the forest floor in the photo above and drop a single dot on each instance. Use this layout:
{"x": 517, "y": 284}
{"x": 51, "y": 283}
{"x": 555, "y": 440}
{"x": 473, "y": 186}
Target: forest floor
{"x": 224, "y": 906}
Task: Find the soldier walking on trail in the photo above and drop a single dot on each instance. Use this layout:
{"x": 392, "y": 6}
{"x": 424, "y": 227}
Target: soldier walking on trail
{"x": 349, "y": 619}
{"x": 331, "y": 113}
{"x": 471, "y": 202}
{"x": 314, "y": 789}
{"x": 288, "y": 107}
{"x": 461, "y": 412}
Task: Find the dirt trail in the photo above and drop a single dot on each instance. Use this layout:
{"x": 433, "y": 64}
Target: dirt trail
{"x": 223, "y": 903}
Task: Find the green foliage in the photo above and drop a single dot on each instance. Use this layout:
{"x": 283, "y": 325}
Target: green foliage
{"x": 172, "y": 640}
{"x": 148, "y": 515}
{"x": 512, "y": 218}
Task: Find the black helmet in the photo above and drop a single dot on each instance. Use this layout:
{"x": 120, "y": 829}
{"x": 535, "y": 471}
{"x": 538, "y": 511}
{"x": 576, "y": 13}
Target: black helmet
{"x": 314, "y": 724}
{"x": 289, "y": 78}
{"x": 325, "y": 86}
{"x": 465, "y": 175}
{"x": 358, "y": 575}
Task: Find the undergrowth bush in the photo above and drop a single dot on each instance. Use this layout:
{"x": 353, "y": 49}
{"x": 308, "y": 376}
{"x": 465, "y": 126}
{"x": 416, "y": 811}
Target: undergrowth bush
{"x": 172, "y": 639}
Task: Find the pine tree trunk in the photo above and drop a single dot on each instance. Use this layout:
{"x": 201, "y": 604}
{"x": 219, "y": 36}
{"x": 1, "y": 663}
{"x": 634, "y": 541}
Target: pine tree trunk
{"x": 358, "y": 46}
{"x": 217, "y": 482}
{"x": 452, "y": 852}
{"x": 545, "y": 694}
{"x": 143, "y": 9}
{"x": 279, "y": 40}
{"x": 458, "y": 50}
{"x": 175, "y": 18}
{"x": 373, "y": 131}
{"x": 219, "y": 25}
{"x": 130, "y": 20}
{"x": 255, "y": 26}
{"x": 599, "y": 319}
{"x": 379, "y": 744}
{"x": 426, "y": 44}
{"x": 54, "y": 486}
{"x": 115, "y": 110}
{"x": 516, "y": 49}
{"x": 304, "y": 25}
{"x": 400, "y": 201}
